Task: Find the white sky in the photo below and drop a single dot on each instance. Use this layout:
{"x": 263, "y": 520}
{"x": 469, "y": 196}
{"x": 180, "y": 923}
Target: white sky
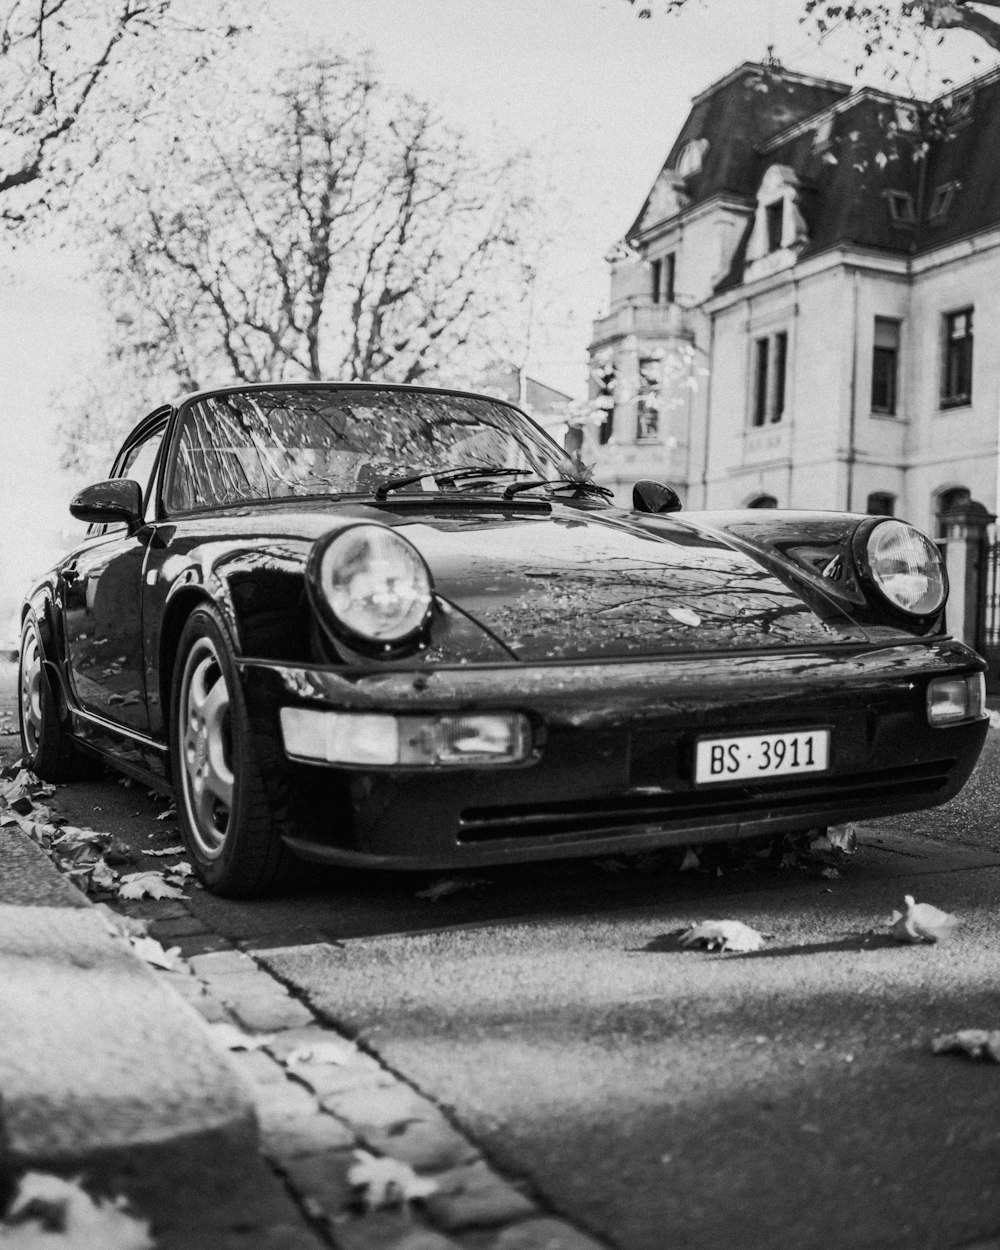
{"x": 597, "y": 93}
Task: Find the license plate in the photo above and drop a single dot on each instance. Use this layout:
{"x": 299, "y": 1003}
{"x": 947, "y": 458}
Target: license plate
{"x": 758, "y": 756}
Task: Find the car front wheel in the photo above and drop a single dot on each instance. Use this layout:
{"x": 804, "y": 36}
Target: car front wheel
{"x": 225, "y": 806}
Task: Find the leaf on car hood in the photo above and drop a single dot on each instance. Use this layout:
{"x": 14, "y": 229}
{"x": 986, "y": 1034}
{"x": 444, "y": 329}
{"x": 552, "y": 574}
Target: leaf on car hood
{"x": 921, "y": 922}
{"x": 386, "y": 1182}
{"x": 976, "y": 1043}
{"x": 147, "y": 885}
{"x": 722, "y": 935}
{"x": 49, "y": 1212}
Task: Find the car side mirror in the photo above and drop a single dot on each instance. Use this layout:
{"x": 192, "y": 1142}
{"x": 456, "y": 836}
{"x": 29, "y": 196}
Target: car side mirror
{"x": 650, "y": 496}
{"x": 119, "y": 499}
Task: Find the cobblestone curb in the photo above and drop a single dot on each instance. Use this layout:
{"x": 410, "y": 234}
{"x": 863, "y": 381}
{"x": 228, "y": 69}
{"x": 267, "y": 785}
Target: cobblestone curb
{"x": 314, "y": 1116}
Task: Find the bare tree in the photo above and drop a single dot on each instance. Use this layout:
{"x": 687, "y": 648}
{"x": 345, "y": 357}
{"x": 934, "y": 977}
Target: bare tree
{"x": 880, "y": 21}
{"x": 316, "y": 225}
{"x": 58, "y": 60}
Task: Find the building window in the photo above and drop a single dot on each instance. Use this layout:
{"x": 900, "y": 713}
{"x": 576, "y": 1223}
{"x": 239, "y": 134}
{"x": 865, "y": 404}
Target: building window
{"x": 881, "y": 503}
{"x": 656, "y": 268}
{"x": 663, "y": 271}
{"x": 885, "y": 366}
{"x": 763, "y": 501}
{"x": 956, "y": 380}
{"x": 941, "y": 202}
{"x": 775, "y": 217}
{"x": 901, "y": 210}
{"x": 770, "y": 368}
{"x": 780, "y": 354}
{"x": 762, "y": 353}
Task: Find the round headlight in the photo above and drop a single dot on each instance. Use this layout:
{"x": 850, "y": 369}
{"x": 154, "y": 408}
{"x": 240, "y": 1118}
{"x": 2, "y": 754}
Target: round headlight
{"x": 374, "y": 583}
{"x": 907, "y": 568}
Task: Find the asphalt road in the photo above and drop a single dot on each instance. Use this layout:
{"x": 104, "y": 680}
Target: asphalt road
{"x": 661, "y": 1097}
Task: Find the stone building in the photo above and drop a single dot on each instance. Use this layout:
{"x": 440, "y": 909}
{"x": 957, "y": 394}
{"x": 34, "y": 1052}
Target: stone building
{"x": 804, "y": 311}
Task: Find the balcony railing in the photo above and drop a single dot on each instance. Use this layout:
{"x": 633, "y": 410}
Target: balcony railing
{"x": 645, "y": 318}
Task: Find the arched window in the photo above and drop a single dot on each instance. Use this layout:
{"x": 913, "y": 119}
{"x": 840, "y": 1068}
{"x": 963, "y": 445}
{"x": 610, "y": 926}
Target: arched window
{"x": 881, "y": 503}
{"x": 953, "y": 499}
{"x": 763, "y": 501}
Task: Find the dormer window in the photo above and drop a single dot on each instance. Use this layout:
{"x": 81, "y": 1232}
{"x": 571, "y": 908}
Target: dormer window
{"x": 691, "y": 158}
{"x": 901, "y": 210}
{"x": 775, "y": 216}
{"x": 778, "y": 222}
{"x": 941, "y": 202}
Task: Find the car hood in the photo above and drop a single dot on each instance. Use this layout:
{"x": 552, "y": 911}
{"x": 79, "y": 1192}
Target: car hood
{"x": 579, "y": 583}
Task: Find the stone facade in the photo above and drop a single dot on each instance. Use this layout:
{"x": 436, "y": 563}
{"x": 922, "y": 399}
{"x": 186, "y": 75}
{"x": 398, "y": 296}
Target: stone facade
{"x": 801, "y": 313}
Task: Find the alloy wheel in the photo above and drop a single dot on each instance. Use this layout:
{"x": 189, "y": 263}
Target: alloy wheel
{"x": 31, "y": 692}
{"x": 207, "y": 777}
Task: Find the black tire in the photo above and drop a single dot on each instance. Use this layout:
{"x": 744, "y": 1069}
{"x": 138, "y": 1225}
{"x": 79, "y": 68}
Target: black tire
{"x": 229, "y": 798}
{"x": 49, "y": 751}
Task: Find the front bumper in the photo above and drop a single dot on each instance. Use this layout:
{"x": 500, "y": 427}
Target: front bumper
{"x": 615, "y": 767}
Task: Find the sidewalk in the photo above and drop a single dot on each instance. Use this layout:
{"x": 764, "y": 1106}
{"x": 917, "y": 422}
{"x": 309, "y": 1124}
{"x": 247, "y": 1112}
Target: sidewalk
{"x": 244, "y": 1141}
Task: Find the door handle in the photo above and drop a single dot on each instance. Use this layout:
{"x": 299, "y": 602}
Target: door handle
{"x": 70, "y": 574}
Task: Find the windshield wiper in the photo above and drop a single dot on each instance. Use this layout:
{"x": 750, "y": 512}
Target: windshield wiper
{"x": 445, "y": 475}
{"x": 581, "y": 488}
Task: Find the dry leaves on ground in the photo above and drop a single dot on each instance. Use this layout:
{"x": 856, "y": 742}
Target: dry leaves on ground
{"x": 152, "y": 952}
{"x": 722, "y": 935}
{"x": 976, "y": 1043}
{"x": 166, "y": 850}
{"x": 337, "y": 1050}
{"x": 49, "y": 1213}
{"x": 148, "y": 885}
{"x": 922, "y": 922}
{"x": 386, "y": 1182}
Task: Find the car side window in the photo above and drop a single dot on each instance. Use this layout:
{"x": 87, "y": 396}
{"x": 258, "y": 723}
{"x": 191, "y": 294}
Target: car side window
{"x": 140, "y": 464}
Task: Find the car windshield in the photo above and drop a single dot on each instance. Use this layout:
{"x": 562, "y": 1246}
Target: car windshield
{"x": 272, "y": 443}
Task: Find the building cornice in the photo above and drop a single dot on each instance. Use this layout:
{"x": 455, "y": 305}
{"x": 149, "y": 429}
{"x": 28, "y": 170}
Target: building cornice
{"x": 725, "y": 200}
{"x": 851, "y": 256}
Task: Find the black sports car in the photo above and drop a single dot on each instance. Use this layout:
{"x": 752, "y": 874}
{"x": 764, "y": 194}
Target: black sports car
{"x": 386, "y": 625}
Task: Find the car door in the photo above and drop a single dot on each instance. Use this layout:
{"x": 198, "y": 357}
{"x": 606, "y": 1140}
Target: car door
{"x": 102, "y": 598}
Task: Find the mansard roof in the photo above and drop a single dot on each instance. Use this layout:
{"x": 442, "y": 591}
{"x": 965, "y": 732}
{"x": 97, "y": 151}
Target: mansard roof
{"x": 864, "y": 177}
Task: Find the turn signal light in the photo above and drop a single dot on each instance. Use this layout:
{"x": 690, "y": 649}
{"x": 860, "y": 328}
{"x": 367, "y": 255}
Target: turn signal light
{"x": 954, "y": 699}
{"x": 378, "y": 739}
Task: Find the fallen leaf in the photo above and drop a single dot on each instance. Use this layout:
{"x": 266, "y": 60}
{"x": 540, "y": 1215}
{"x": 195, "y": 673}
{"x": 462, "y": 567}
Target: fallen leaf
{"x": 843, "y": 838}
{"x": 449, "y": 885}
{"x": 232, "y": 1038}
{"x": 181, "y": 871}
{"x": 169, "y": 814}
{"x": 690, "y": 862}
{"x": 722, "y": 935}
{"x": 49, "y": 1213}
{"x": 167, "y": 850}
{"x": 147, "y": 885}
{"x": 152, "y": 952}
{"x": 103, "y": 877}
{"x": 386, "y": 1182}
{"x": 921, "y": 922}
{"x": 333, "y": 1051}
{"x": 976, "y": 1043}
